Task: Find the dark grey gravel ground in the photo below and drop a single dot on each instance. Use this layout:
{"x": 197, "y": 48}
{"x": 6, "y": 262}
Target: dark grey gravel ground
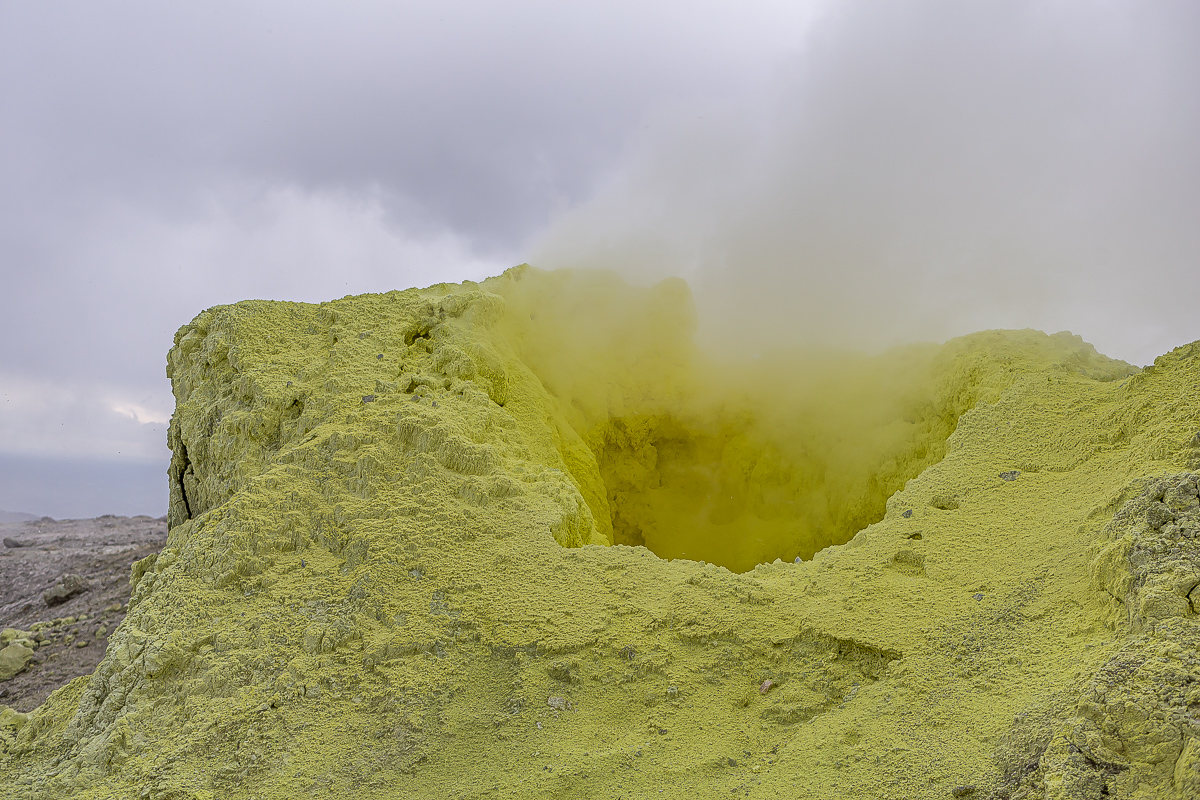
{"x": 72, "y": 633}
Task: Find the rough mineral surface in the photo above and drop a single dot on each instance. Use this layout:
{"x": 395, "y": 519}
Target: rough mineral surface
{"x": 520, "y": 539}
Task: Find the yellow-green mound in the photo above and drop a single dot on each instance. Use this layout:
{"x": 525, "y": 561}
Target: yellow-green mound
{"x": 404, "y": 562}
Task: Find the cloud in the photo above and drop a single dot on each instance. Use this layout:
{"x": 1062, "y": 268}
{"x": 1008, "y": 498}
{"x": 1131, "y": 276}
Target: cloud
{"x": 141, "y": 415}
{"x": 921, "y": 170}
{"x": 281, "y": 242}
{"x": 80, "y": 420}
{"x": 149, "y": 272}
{"x": 491, "y": 117}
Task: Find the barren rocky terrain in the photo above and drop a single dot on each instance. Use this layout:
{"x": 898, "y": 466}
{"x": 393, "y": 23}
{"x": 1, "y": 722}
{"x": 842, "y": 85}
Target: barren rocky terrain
{"x": 64, "y": 586}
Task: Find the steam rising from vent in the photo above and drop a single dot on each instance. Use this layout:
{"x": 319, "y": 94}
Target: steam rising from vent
{"x": 742, "y": 461}
{"x": 920, "y": 171}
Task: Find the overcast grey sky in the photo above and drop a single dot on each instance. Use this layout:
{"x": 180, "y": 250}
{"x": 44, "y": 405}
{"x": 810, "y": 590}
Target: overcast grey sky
{"x": 847, "y": 173}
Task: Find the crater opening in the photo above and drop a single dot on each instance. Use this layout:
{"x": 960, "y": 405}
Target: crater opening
{"x": 759, "y": 451}
{"x": 722, "y": 481}
{"x": 726, "y": 495}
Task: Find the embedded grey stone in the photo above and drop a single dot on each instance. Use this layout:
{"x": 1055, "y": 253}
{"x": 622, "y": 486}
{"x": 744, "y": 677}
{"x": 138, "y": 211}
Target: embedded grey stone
{"x": 66, "y": 587}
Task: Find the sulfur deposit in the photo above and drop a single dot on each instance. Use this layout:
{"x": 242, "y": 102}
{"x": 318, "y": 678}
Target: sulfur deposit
{"x": 521, "y": 539}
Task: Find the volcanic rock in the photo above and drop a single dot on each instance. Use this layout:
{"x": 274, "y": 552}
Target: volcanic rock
{"x": 66, "y": 587}
{"x": 14, "y": 658}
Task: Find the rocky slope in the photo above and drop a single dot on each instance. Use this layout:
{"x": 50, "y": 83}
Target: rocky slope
{"x": 405, "y": 559}
{"x": 64, "y": 586}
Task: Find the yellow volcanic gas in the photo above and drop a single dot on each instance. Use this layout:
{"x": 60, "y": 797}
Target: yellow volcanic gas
{"x": 738, "y": 463}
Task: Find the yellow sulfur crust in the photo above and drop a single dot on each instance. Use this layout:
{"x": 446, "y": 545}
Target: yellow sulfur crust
{"x": 406, "y": 560}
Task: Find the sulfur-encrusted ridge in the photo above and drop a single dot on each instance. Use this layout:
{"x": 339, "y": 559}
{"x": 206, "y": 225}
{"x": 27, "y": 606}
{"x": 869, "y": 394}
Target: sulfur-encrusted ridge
{"x": 404, "y": 561}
